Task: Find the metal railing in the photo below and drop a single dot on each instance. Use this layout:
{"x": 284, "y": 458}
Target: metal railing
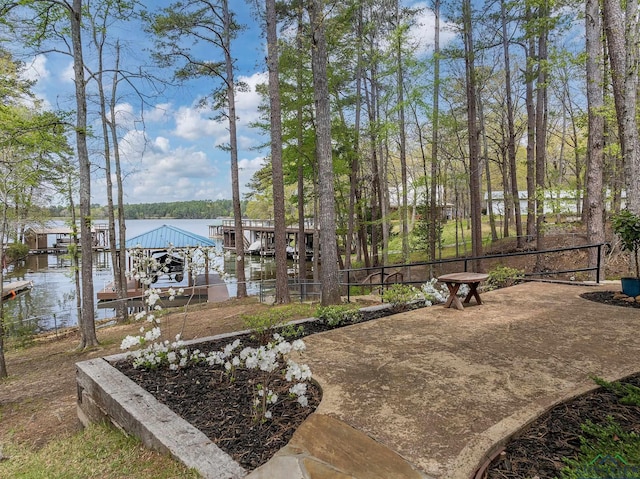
{"x": 421, "y": 272}
{"x": 301, "y": 291}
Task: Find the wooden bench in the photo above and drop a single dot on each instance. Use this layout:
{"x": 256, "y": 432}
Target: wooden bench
{"x": 455, "y": 280}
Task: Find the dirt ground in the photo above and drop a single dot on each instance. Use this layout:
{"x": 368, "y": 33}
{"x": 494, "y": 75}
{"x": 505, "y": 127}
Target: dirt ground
{"x": 38, "y": 400}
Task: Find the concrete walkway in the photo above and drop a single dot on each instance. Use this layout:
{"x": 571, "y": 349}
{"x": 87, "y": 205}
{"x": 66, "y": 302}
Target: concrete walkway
{"x": 428, "y": 393}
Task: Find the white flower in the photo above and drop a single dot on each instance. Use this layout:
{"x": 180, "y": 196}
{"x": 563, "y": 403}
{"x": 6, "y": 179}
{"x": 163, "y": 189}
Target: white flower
{"x": 298, "y": 345}
{"x": 298, "y": 389}
{"x": 130, "y": 341}
{"x": 267, "y": 414}
{"x": 304, "y": 402}
{"x": 152, "y": 335}
{"x": 283, "y": 348}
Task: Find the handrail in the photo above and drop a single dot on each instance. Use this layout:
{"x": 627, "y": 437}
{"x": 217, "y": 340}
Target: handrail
{"x": 466, "y": 261}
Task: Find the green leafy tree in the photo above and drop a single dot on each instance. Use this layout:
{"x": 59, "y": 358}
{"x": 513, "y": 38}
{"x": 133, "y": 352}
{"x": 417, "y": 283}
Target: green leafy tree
{"x": 31, "y": 143}
{"x": 178, "y": 29}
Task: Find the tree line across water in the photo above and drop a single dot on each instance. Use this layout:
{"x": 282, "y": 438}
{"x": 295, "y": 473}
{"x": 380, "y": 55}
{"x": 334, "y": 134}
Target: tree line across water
{"x": 194, "y": 209}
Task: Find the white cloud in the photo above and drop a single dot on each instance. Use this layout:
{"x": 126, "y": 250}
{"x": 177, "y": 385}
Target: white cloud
{"x": 422, "y": 33}
{"x": 246, "y": 169}
{"x": 159, "y": 173}
{"x": 247, "y": 102}
{"x": 37, "y": 70}
{"x": 162, "y": 144}
{"x": 192, "y": 124}
{"x": 160, "y": 113}
{"x": 246, "y": 142}
{"x": 67, "y": 75}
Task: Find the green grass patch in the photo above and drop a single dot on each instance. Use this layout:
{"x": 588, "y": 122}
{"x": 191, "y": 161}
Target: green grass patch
{"x": 99, "y": 451}
{"x": 607, "y": 451}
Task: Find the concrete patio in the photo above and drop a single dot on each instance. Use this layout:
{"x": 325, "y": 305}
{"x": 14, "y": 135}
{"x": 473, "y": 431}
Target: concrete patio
{"x": 430, "y": 393}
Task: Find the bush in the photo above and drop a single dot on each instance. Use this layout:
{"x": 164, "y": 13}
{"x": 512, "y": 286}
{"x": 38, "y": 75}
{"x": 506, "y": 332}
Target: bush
{"x": 263, "y": 324}
{"x": 16, "y": 251}
{"x": 400, "y": 296}
{"x": 338, "y": 315}
{"x": 503, "y": 276}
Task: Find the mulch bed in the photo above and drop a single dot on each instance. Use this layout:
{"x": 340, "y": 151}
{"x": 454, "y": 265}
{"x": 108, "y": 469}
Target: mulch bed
{"x": 607, "y": 297}
{"x": 540, "y": 451}
{"x": 222, "y": 410}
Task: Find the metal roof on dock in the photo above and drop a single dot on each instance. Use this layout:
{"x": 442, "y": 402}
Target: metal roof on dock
{"x": 166, "y": 235}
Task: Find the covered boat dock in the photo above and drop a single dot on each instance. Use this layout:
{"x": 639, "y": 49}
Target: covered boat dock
{"x": 160, "y": 242}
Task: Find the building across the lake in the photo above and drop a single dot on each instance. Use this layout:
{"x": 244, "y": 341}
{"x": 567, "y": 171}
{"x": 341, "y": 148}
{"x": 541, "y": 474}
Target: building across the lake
{"x": 57, "y": 239}
{"x": 259, "y": 236}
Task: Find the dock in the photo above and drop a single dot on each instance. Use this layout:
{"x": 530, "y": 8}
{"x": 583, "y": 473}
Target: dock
{"x": 259, "y": 236}
{"x": 213, "y": 290}
{"x": 11, "y": 290}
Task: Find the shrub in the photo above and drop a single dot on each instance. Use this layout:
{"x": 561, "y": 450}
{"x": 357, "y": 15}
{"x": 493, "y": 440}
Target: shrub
{"x": 400, "y": 295}
{"x": 16, "y": 251}
{"x": 503, "y": 276}
{"x": 263, "y": 324}
{"x": 338, "y": 315}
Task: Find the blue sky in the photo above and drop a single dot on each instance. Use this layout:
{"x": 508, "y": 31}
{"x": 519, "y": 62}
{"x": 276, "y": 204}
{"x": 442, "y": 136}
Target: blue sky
{"x": 174, "y": 155}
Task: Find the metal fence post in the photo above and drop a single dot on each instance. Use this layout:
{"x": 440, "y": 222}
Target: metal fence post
{"x": 599, "y": 263}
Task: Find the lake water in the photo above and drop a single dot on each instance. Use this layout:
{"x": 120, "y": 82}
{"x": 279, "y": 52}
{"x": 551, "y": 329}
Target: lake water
{"x": 51, "y": 302}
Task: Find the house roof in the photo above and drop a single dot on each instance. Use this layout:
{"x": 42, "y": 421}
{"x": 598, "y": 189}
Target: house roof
{"x": 165, "y": 235}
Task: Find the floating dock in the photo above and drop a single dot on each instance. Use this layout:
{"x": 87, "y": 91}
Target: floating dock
{"x": 11, "y": 290}
{"x": 212, "y": 291}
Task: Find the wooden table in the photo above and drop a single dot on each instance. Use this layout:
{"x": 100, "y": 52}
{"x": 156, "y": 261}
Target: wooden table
{"x": 453, "y": 282}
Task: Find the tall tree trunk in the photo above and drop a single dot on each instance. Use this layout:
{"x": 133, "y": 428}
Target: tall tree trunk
{"x": 531, "y": 133}
{"x": 541, "y": 133}
{"x": 622, "y": 32}
{"x": 355, "y": 220}
{"x": 121, "y": 263}
{"x": 511, "y": 139}
{"x": 301, "y": 243}
{"x": 404, "y": 208}
{"x": 375, "y": 197}
{"x": 241, "y": 292}
{"x": 487, "y": 169}
{"x": 88, "y": 336}
{"x": 330, "y": 277}
{"x": 434, "y": 211}
{"x": 3, "y": 231}
{"x": 280, "y": 227}
{"x": 472, "y": 126}
{"x": 595, "y": 148}
{"x": 106, "y": 119}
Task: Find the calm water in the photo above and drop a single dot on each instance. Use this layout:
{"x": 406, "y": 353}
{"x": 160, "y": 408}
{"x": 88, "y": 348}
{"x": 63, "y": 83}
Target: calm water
{"x": 51, "y": 302}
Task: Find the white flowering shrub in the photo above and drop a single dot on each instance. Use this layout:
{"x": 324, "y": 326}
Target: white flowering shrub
{"x": 431, "y": 294}
{"x": 269, "y": 361}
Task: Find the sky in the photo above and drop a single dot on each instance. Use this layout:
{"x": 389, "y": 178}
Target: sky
{"x": 170, "y": 146}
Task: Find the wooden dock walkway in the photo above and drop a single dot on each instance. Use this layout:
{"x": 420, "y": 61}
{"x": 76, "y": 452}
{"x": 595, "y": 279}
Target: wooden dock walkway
{"x": 11, "y": 290}
{"x": 214, "y": 291}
